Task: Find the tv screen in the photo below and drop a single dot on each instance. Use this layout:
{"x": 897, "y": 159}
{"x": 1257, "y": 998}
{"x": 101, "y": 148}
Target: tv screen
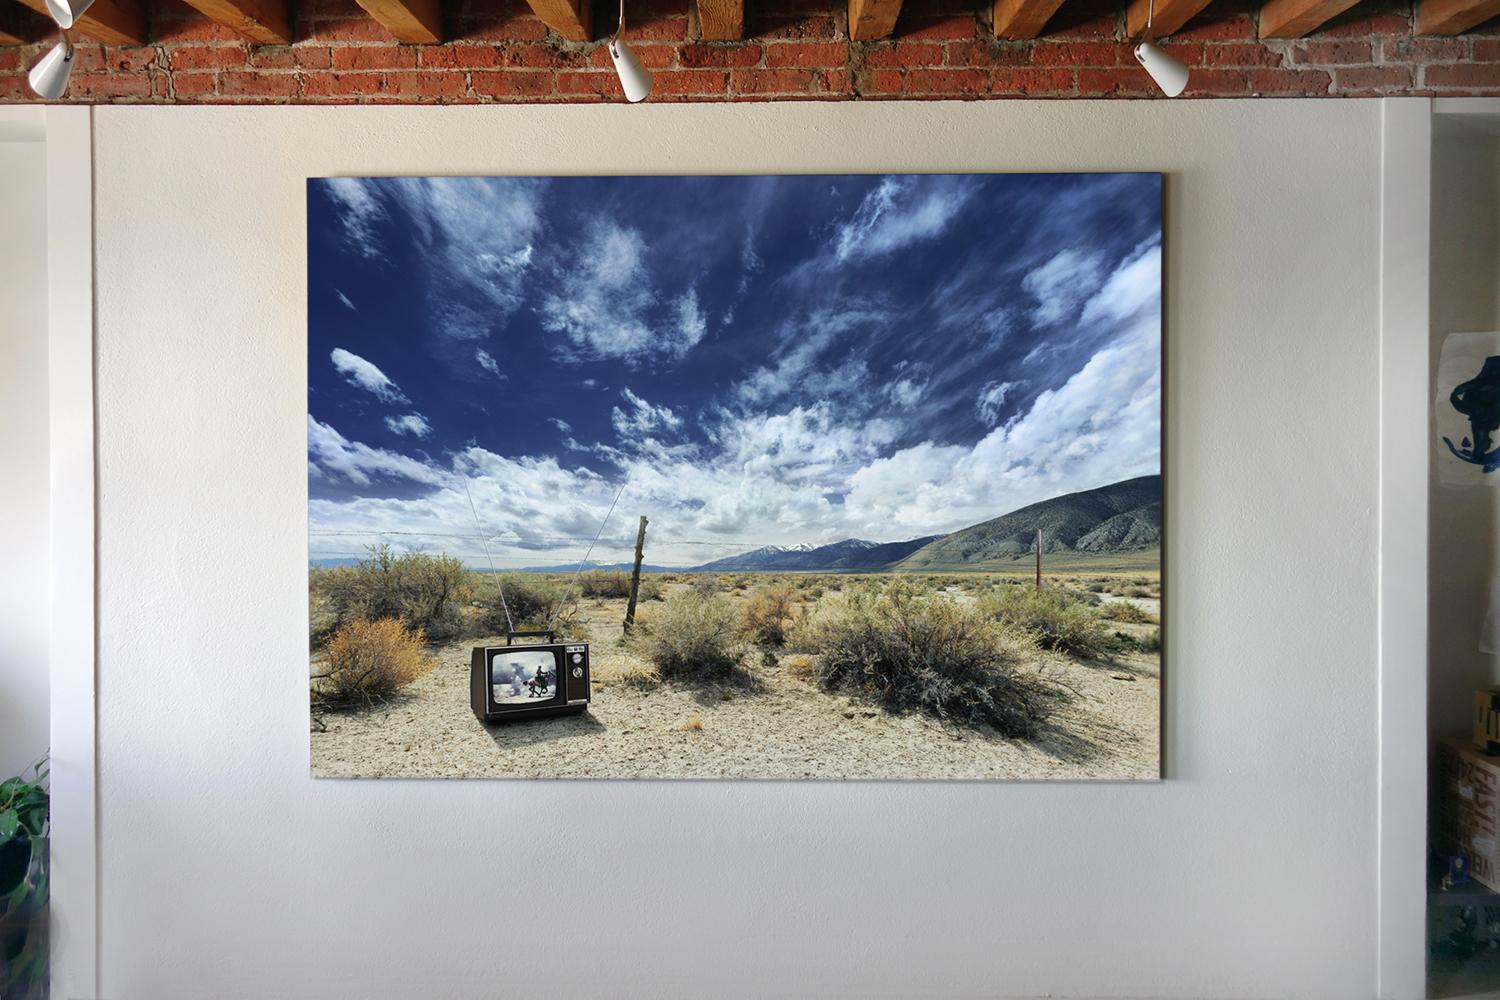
{"x": 525, "y": 677}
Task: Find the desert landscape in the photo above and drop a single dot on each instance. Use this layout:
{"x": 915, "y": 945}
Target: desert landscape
{"x": 739, "y": 673}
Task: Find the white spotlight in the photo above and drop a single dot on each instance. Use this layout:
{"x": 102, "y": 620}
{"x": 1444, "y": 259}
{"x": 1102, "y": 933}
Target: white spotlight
{"x": 1170, "y": 75}
{"x": 65, "y": 12}
{"x": 635, "y": 79}
{"x": 49, "y": 77}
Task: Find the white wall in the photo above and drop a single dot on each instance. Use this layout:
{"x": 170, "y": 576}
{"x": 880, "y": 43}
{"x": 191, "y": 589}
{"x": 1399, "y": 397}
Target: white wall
{"x": 24, "y": 604}
{"x": 1465, "y": 521}
{"x": 227, "y": 872}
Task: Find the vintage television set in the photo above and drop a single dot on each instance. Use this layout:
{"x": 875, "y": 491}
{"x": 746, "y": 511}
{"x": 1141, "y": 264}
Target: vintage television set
{"x": 528, "y": 680}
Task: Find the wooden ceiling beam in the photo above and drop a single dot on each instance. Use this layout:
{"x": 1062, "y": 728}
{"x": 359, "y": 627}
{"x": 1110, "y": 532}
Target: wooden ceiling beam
{"x": 721, "y": 20}
{"x": 1295, "y": 18}
{"x": 113, "y": 22}
{"x": 1170, "y": 15}
{"x": 872, "y": 19}
{"x": 1023, "y": 18}
{"x": 419, "y": 22}
{"x": 1453, "y": 17}
{"x": 572, "y": 19}
{"x": 263, "y": 21}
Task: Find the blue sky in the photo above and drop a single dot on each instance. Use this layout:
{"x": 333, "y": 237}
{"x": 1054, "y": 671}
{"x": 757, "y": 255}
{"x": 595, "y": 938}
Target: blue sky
{"x": 745, "y": 360}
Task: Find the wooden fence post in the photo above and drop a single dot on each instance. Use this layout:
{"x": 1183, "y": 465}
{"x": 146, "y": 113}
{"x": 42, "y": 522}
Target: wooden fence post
{"x": 635, "y": 574}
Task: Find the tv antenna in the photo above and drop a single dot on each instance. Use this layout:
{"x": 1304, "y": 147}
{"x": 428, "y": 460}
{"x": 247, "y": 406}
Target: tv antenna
{"x": 500, "y": 589}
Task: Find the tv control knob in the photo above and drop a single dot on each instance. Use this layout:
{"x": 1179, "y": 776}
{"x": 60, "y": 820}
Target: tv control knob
{"x": 577, "y": 672}
{"x": 577, "y": 658}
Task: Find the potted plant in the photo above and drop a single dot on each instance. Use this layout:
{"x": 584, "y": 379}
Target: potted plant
{"x": 23, "y": 885}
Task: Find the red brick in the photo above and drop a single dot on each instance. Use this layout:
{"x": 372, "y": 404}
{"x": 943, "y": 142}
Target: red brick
{"x": 1462, "y": 76}
{"x": 206, "y": 57}
{"x": 435, "y": 83}
{"x": 663, "y": 29}
{"x": 587, "y": 82}
{"x": 947, "y": 81}
{"x": 194, "y": 84}
{"x": 678, "y": 82}
{"x": 1370, "y": 24}
{"x": 1364, "y": 79}
{"x": 459, "y": 56}
{"x": 10, "y": 58}
{"x": 771, "y": 81}
{"x": 1486, "y": 50}
{"x": 651, "y": 56}
{"x": 882, "y": 81}
{"x": 513, "y": 83}
{"x": 272, "y": 57}
{"x": 813, "y": 26}
{"x": 1324, "y": 53}
{"x": 313, "y": 56}
{"x": 1217, "y": 54}
{"x": 1209, "y": 27}
{"x": 904, "y": 54}
{"x": 341, "y": 84}
{"x": 1103, "y": 25}
{"x": 362, "y": 29}
{"x": 374, "y": 57}
{"x": 1290, "y": 81}
{"x": 1424, "y": 50}
{"x": 107, "y": 86}
{"x": 1077, "y": 54}
{"x": 196, "y": 29}
{"x": 1123, "y": 81}
{"x": 700, "y": 56}
{"x": 975, "y": 52}
{"x": 939, "y": 29}
{"x": 807, "y": 54}
{"x": 838, "y": 81}
{"x": 1027, "y": 80}
{"x": 246, "y": 84}
{"x": 510, "y": 29}
{"x": 1215, "y": 83}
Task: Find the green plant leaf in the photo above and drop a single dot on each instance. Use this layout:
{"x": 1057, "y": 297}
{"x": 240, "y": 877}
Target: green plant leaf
{"x": 10, "y": 821}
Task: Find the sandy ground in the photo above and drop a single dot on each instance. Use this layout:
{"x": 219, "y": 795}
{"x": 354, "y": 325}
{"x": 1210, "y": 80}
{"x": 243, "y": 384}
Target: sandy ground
{"x": 1108, "y": 728}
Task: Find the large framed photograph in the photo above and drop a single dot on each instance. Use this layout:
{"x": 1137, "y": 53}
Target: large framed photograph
{"x": 780, "y": 477}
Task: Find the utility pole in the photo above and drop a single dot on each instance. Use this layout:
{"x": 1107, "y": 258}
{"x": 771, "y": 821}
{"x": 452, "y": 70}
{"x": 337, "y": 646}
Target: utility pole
{"x": 635, "y": 574}
{"x": 1038, "y": 564}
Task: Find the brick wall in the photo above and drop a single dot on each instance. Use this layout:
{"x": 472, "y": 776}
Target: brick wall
{"x": 795, "y": 50}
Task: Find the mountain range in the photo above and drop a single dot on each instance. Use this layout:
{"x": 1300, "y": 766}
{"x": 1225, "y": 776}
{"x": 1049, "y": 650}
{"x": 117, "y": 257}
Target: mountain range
{"x": 850, "y": 554}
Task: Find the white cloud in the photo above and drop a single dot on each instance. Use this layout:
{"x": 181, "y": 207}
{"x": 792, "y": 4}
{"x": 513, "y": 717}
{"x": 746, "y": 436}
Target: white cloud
{"x": 1061, "y": 284}
{"x": 344, "y": 299}
{"x": 795, "y": 364}
{"x": 906, "y": 392}
{"x": 488, "y": 363}
{"x": 359, "y": 372}
{"x": 561, "y": 425}
{"x": 606, "y": 306}
{"x": 337, "y": 456}
{"x": 1135, "y": 285}
{"x": 360, "y": 210}
{"x": 991, "y": 398}
{"x": 899, "y": 212}
{"x": 413, "y": 424}
{"x": 641, "y": 419}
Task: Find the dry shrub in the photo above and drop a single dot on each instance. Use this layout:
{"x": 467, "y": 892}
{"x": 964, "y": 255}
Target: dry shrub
{"x": 769, "y": 614}
{"x": 368, "y": 661}
{"x": 423, "y": 591}
{"x": 801, "y": 666}
{"x": 1124, "y": 611}
{"x": 616, "y": 583}
{"x": 693, "y": 725}
{"x": 693, "y": 637}
{"x": 705, "y": 584}
{"x": 908, "y": 649}
{"x": 606, "y": 669}
{"x": 1055, "y": 620}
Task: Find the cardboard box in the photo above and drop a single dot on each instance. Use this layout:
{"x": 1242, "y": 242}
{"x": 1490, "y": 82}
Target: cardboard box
{"x": 1464, "y": 814}
{"x": 1487, "y": 720}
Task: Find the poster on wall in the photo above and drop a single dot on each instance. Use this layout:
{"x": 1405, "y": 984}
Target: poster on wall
{"x": 1466, "y": 409}
{"x": 777, "y": 477}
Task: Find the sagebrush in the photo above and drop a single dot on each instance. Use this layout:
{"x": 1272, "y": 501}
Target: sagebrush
{"x": 1055, "y": 620}
{"x": 908, "y": 649}
{"x": 425, "y": 592}
{"x": 693, "y": 636}
{"x": 769, "y": 613}
{"x": 368, "y": 661}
